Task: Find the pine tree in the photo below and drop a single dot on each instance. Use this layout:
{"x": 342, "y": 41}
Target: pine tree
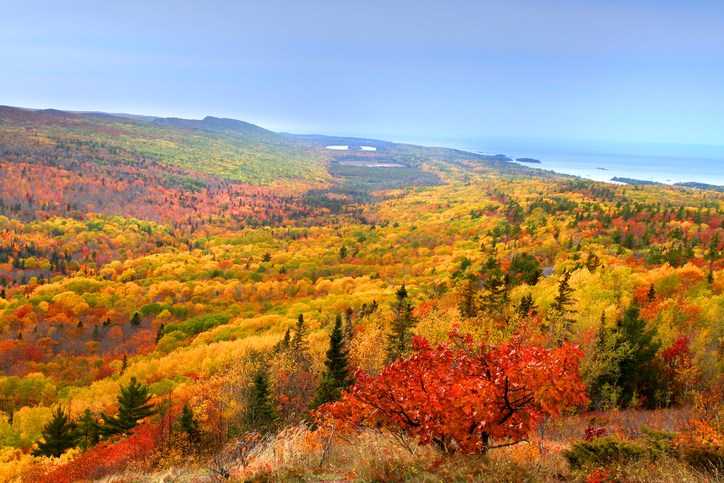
{"x": 562, "y": 321}
{"x": 133, "y": 405}
{"x": 136, "y": 320}
{"x": 348, "y": 328}
{"x": 88, "y": 430}
{"x": 651, "y": 295}
{"x": 469, "y": 298}
{"x": 298, "y": 346}
{"x": 283, "y": 344}
{"x": 189, "y": 426}
{"x": 299, "y": 343}
{"x": 260, "y": 413}
{"x": 59, "y": 435}
{"x": 399, "y": 339}
{"x": 336, "y": 377}
{"x": 637, "y": 372}
{"x": 525, "y": 306}
{"x": 602, "y": 370}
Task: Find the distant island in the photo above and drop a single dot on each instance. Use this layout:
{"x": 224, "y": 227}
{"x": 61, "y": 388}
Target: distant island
{"x": 632, "y": 181}
{"x": 528, "y": 160}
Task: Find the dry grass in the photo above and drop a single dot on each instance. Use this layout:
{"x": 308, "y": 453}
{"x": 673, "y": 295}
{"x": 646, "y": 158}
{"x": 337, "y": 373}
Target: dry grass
{"x": 370, "y": 456}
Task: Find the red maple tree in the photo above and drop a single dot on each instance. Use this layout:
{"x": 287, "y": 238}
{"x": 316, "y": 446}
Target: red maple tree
{"x": 465, "y": 396}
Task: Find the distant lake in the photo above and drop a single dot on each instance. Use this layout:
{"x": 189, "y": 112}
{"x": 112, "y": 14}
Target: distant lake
{"x": 601, "y": 161}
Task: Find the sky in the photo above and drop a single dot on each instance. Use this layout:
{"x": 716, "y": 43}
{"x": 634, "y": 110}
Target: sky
{"x": 621, "y": 70}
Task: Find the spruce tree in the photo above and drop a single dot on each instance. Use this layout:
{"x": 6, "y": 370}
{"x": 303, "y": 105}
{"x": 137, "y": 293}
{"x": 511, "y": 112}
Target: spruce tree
{"x": 525, "y": 306}
{"x": 283, "y": 344}
{"x": 468, "y": 305}
{"x": 336, "y": 377}
{"x": 260, "y": 413}
{"x": 299, "y": 343}
{"x": 562, "y": 321}
{"x": 400, "y": 337}
{"x": 88, "y": 430}
{"x": 133, "y": 405}
{"x": 136, "y": 320}
{"x": 59, "y": 435}
{"x": 189, "y": 426}
{"x": 637, "y": 371}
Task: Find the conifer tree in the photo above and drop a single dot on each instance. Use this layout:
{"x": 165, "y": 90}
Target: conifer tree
{"x": 525, "y": 306}
{"x": 260, "y": 413}
{"x": 133, "y": 405}
{"x": 136, "y": 320}
{"x": 283, "y": 344}
{"x": 299, "y": 343}
{"x": 637, "y": 373}
{"x": 59, "y": 435}
{"x": 348, "y": 329}
{"x": 336, "y": 377}
{"x": 469, "y": 298}
{"x": 189, "y": 426}
{"x": 88, "y": 430}
{"x": 399, "y": 339}
{"x": 561, "y": 317}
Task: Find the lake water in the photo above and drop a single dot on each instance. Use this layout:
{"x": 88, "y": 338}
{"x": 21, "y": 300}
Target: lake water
{"x": 601, "y": 161}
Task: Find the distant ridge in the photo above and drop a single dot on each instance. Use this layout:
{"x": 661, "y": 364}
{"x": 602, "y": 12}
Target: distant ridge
{"x": 213, "y": 124}
{"x": 687, "y": 184}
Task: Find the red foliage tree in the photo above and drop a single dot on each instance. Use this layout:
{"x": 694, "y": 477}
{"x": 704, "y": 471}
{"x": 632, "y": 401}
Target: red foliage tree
{"x": 465, "y": 396}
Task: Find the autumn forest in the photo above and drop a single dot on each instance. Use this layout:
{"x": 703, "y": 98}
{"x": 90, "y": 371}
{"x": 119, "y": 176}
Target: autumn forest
{"x": 206, "y": 300}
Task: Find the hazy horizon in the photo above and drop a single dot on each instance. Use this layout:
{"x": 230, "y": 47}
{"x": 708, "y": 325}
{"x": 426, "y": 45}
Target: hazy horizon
{"x": 554, "y": 69}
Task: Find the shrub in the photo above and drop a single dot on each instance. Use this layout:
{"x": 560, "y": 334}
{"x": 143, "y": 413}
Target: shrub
{"x": 603, "y": 452}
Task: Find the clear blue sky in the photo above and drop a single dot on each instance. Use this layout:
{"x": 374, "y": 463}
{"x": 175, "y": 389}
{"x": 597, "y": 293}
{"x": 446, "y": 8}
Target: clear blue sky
{"x": 612, "y": 70}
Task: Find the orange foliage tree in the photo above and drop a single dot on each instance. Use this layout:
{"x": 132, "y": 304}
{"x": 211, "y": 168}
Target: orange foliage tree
{"x": 465, "y": 395}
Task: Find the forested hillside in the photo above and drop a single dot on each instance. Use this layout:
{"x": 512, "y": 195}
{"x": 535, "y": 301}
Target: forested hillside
{"x": 207, "y": 300}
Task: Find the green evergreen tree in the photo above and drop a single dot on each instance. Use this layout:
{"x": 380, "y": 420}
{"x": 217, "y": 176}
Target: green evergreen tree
{"x": 399, "y": 339}
{"x": 188, "y": 425}
{"x": 136, "y": 320}
{"x": 59, "y": 435}
{"x": 336, "y": 377}
{"x": 602, "y": 370}
{"x": 299, "y": 349}
{"x": 283, "y": 344}
{"x": 260, "y": 413}
{"x": 526, "y": 267}
{"x": 133, "y": 405}
{"x": 561, "y": 318}
{"x": 88, "y": 430}
{"x": 495, "y": 294}
{"x": 525, "y": 306}
{"x": 299, "y": 342}
{"x": 651, "y": 295}
{"x": 638, "y": 374}
{"x": 468, "y": 305}
{"x": 348, "y": 328}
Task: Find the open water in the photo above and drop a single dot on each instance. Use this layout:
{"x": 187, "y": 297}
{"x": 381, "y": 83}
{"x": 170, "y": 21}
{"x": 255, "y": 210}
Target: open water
{"x": 601, "y": 161}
